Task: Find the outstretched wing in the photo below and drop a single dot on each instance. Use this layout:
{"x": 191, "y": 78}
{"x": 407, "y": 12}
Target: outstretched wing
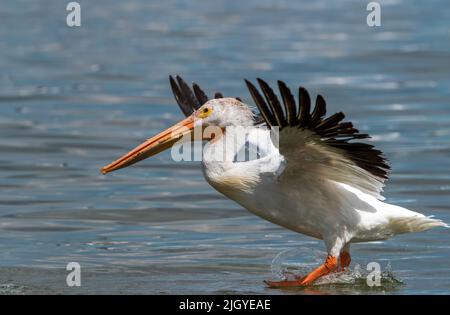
{"x": 318, "y": 146}
{"x": 189, "y": 99}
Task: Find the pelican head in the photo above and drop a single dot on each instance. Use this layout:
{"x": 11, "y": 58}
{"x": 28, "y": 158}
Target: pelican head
{"x": 221, "y": 113}
{"x": 224, "y": 112}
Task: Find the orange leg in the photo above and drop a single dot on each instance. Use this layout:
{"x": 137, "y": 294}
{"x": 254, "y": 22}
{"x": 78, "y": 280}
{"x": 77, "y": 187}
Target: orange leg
{"x": 330, "y": 265}
{"x": 344, "y": 259}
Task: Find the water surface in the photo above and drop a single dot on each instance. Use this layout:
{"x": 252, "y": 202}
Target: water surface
{"x": 73, "y": 99}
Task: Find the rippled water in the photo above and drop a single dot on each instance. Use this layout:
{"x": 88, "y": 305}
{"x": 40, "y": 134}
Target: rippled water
{"x": 71, "y": 100}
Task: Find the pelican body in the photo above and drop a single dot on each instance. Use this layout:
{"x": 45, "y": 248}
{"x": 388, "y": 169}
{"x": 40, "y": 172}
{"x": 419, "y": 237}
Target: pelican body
{"x": 313, "y": 179}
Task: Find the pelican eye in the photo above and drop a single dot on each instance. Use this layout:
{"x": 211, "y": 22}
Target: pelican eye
{"x": 205, "y": 112}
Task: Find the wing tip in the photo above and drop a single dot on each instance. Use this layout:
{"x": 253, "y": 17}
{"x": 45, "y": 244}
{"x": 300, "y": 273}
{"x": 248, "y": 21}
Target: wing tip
{"x": 331, "y": 129}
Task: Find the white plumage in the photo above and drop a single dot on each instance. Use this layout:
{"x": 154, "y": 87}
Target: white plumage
{"x": 340, "y": 207}
{"x": 315, "y": 180}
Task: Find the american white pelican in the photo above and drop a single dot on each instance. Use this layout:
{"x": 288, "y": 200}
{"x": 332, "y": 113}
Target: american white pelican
{"x": 317, "y": 181}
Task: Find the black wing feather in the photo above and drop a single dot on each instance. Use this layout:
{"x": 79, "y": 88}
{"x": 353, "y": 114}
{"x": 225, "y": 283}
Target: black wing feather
{"x": 181, "y": 101}
{"x": 319, "y": 111}
{"x": 331, "y": 130}
{"x": 273, "y": 102}
{"x": 305, "y": 106}
{"x": 188, "y": 99}
{"x": 187, "y": 94}
{"x": 289, "y": 104}
{"x": 331, "y": 121}
{"x": 266, "y": 113}
{"x": 199, "y": 94}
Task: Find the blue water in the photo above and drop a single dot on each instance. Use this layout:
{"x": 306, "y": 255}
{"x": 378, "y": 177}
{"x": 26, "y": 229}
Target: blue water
{"x": 74, "y": 99}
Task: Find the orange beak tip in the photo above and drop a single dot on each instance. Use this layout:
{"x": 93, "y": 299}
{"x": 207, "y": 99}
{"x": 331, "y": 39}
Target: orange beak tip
{"x": 103, "y": 171}
{"x": 152, "y": 146}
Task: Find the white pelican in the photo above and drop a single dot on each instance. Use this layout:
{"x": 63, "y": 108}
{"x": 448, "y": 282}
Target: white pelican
{"x": 317, "y": 181}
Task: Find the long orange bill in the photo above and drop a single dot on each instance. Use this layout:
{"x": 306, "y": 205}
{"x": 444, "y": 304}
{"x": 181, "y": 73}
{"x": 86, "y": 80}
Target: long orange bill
{"x": 153, "y": 146}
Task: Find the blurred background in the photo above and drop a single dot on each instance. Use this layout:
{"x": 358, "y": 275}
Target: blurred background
{"x": 72, "y": 99}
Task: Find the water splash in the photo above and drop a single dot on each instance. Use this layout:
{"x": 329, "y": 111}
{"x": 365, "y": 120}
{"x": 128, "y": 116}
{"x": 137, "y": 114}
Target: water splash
{"x": 292, "y": 264}
{"x": 357, "y": 276}
{"x": 295, "y": 262}
{"x": 12, "y": 289}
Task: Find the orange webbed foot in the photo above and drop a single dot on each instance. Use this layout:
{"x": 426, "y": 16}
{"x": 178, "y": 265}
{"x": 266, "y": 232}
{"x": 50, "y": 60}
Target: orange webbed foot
{"x": 285, "y": 283}
{"x": 330, "y": 265}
